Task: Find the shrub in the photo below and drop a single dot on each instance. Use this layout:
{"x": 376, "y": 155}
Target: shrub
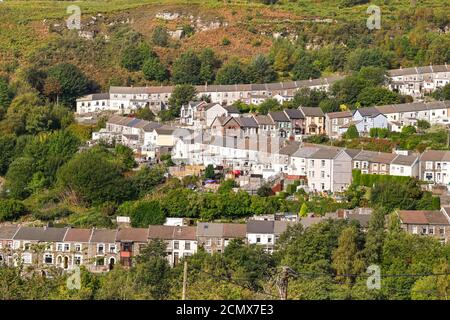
{"x": 11, "y": 210}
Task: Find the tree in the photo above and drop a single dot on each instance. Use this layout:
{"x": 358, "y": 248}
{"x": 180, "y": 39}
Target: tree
{"x": 72, "y": 81}
{"x": 154, "y": 70}
{"x": 352, "y": 132}
{"x": 376, "y": 96}
{"x": 346, "y": 257}
{"x": 260, "y": 71}
{"x": 181, "y": 95}
{"x": 264, "y": 191}
{"x": 18, "y": 176}
{"x": 281, "y": 60}
{"x": 125, "y": 156}
{"x": 5, "y": 97}
{"x": 268, "y": 105}
{"x": 363, "y": 57}
{"x": 305, "y": 69}
{"x": 7, "y": 152}
{"x": 209, "y": 65}
{"x": 303, "y": 210}
{"x": 93, "y": 178}
{"x": 133, "y": 56}
{"x": 186, "y": 69}
{"x": 160, "y": 36}
{"x": 153, "y": 271}
{"x": 145, "y": 213}
{"x": 439, "y": 94}
{"x": 408, "y": 130}
{"x": 231, "y": 73}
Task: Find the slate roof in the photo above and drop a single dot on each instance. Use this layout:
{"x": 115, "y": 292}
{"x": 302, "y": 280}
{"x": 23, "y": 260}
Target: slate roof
{"x": 405, "y": 160}
{"x": 327, "y": 153}
{"x": 423, "y": 217}
{"x": 44, "y": 234}
{"x": 78, "y": 235}
{"x": 435, "y": 155}
{"x": 263, "y": 120}
{"x": 171, "y": 232}
{"x": 340, "y": 114}
{"x": 312, "y": 111}
{"x": 260, "y": 226}
{"x": 294, "y": 114}
{"x": 278, "y": 116}
{"x": 376, "y": 157}
{"x": 103, "y": 236}
{"x": 368, "y": 111}
{"x": 132, "y": 234}
{"x": 8, "y": 232}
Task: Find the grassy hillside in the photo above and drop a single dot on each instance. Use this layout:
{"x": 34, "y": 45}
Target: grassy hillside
{"x": 27, "y": 28}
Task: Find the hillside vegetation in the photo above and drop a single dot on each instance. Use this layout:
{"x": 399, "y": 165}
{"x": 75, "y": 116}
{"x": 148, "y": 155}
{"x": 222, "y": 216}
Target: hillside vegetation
{"x": 34, "y": 33}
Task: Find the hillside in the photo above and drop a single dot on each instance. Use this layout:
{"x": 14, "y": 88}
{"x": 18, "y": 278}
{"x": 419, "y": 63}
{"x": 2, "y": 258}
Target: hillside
{"x": 34, "y": 33}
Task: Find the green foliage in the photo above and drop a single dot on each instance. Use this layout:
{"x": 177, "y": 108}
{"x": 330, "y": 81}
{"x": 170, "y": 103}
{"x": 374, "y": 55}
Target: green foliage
{"x": 145, "y": 213}
{"x": 186, "y": 69}
{"x": 7, "y": 152}
{"x": 133, "y": 56}
{"x": 181, "y": 95}
{"x": 260, "y": 70}
{"x": 264, "y": 191}
{"x": 11, "y": 210}
{"x": 160, "y": 36}
{"x": 368, "y": 57}
{"x": 209, "y": 172}
{"x": 72, "y": 81}
{"x": 93, "y": 178}
{"x": 232, "y": 73}
{"x": 352, "y": 132}
{"x": 305, "y": 69}
{"x": 154, "y": 70}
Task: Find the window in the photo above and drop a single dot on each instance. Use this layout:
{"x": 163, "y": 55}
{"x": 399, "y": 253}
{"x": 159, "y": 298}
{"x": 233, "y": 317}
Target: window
{"x": 26, "y": 246}
{"x": 176, "y": 245}
{"x": 258, "y": 239}
{"x": 322, "y": 174}
{"x": 77, "y": 260}
{"x": 48, "y": 258}
{"x": 100, "y": 248}
{"x": 187, "y": 245}
{"x": 414, "y": 230}
{"x": 78, "y": 247}
{"x": 112, "y": 248}
{"x": 431, "y": 230}
{"x": 66, "y": 247}
{"x": 441, "y": 231}
{"x": 59, "y": 247}
{"x": 322, "y": 163}
{"x": 269, "y": 239}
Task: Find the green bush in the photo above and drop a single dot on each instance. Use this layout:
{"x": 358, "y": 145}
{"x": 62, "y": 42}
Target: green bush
{"x": 11, "y": 210}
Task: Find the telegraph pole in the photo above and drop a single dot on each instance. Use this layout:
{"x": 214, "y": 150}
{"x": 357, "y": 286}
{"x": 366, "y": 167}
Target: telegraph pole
{"x": 183, "y": 295}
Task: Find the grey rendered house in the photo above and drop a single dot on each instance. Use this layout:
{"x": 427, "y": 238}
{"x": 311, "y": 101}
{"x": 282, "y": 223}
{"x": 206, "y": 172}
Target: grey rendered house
{"x": 282, "y": 122}
{"x": 368, "y": 118}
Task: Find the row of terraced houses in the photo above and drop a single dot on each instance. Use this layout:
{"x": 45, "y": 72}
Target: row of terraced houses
{"x": 414, "y": 82}
{"x": 100, "y": 250}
